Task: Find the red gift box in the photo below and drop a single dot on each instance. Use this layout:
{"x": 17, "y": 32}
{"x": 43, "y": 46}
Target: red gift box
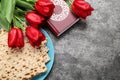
{"x": 62, "y": 18}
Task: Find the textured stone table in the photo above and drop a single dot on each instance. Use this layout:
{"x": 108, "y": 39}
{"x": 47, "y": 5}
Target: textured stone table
{"x": 90, "y": 50}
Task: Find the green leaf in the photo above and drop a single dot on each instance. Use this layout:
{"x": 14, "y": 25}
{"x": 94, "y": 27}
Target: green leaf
{"x": 0, "y": 7}
{"x": 19, "y": 12}
{"x": 4, "y": 23}
{"x": 25, "y": 5}
{"x": 7, "y": 8}
{"x": 31, "y": 1}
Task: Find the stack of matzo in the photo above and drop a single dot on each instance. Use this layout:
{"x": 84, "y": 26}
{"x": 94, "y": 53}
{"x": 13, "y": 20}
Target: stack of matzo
{"x": 21, "y": 64}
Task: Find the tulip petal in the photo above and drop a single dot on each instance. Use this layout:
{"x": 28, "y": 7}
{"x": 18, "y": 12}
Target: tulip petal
{"x": 20, "y": 39}
{"x": 12, "y": 37}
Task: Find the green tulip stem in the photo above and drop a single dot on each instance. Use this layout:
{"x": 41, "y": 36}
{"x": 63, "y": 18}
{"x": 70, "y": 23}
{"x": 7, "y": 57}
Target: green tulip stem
{"x": 69, "y": 2}
{"x": 18, "y": 23}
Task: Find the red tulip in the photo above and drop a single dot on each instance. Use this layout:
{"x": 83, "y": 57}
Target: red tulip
{"x": 34, "y": 36}
{"x": 81, "y": 8}
{"x": 15, "y": 38}
{"x": 45, "y": 7}
{"x": 34, "y": 19}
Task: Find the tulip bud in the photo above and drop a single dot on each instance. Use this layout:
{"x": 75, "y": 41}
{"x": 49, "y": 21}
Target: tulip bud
{"x": 34, "y": 36}
{"x": 45, "y": 7}
{"x": 81, "y": 8}
{"x": 34, "y": 19}
{"x": 15, "y": 38}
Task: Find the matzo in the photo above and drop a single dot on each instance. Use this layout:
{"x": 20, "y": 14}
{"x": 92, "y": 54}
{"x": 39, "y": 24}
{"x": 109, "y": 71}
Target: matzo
{"x": 21, "y": 64}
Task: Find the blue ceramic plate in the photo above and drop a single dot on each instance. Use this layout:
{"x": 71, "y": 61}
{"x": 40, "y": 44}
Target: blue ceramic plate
{"x": 51, "y": 55}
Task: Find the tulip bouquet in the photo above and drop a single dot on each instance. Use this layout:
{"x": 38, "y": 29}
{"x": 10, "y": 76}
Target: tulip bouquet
{"x": 14, "y": 14}
{"x": 12, "y": 18}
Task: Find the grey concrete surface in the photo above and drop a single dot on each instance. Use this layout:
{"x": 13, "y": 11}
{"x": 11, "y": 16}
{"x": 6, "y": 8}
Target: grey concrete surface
{"x": 90, "y": 50}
